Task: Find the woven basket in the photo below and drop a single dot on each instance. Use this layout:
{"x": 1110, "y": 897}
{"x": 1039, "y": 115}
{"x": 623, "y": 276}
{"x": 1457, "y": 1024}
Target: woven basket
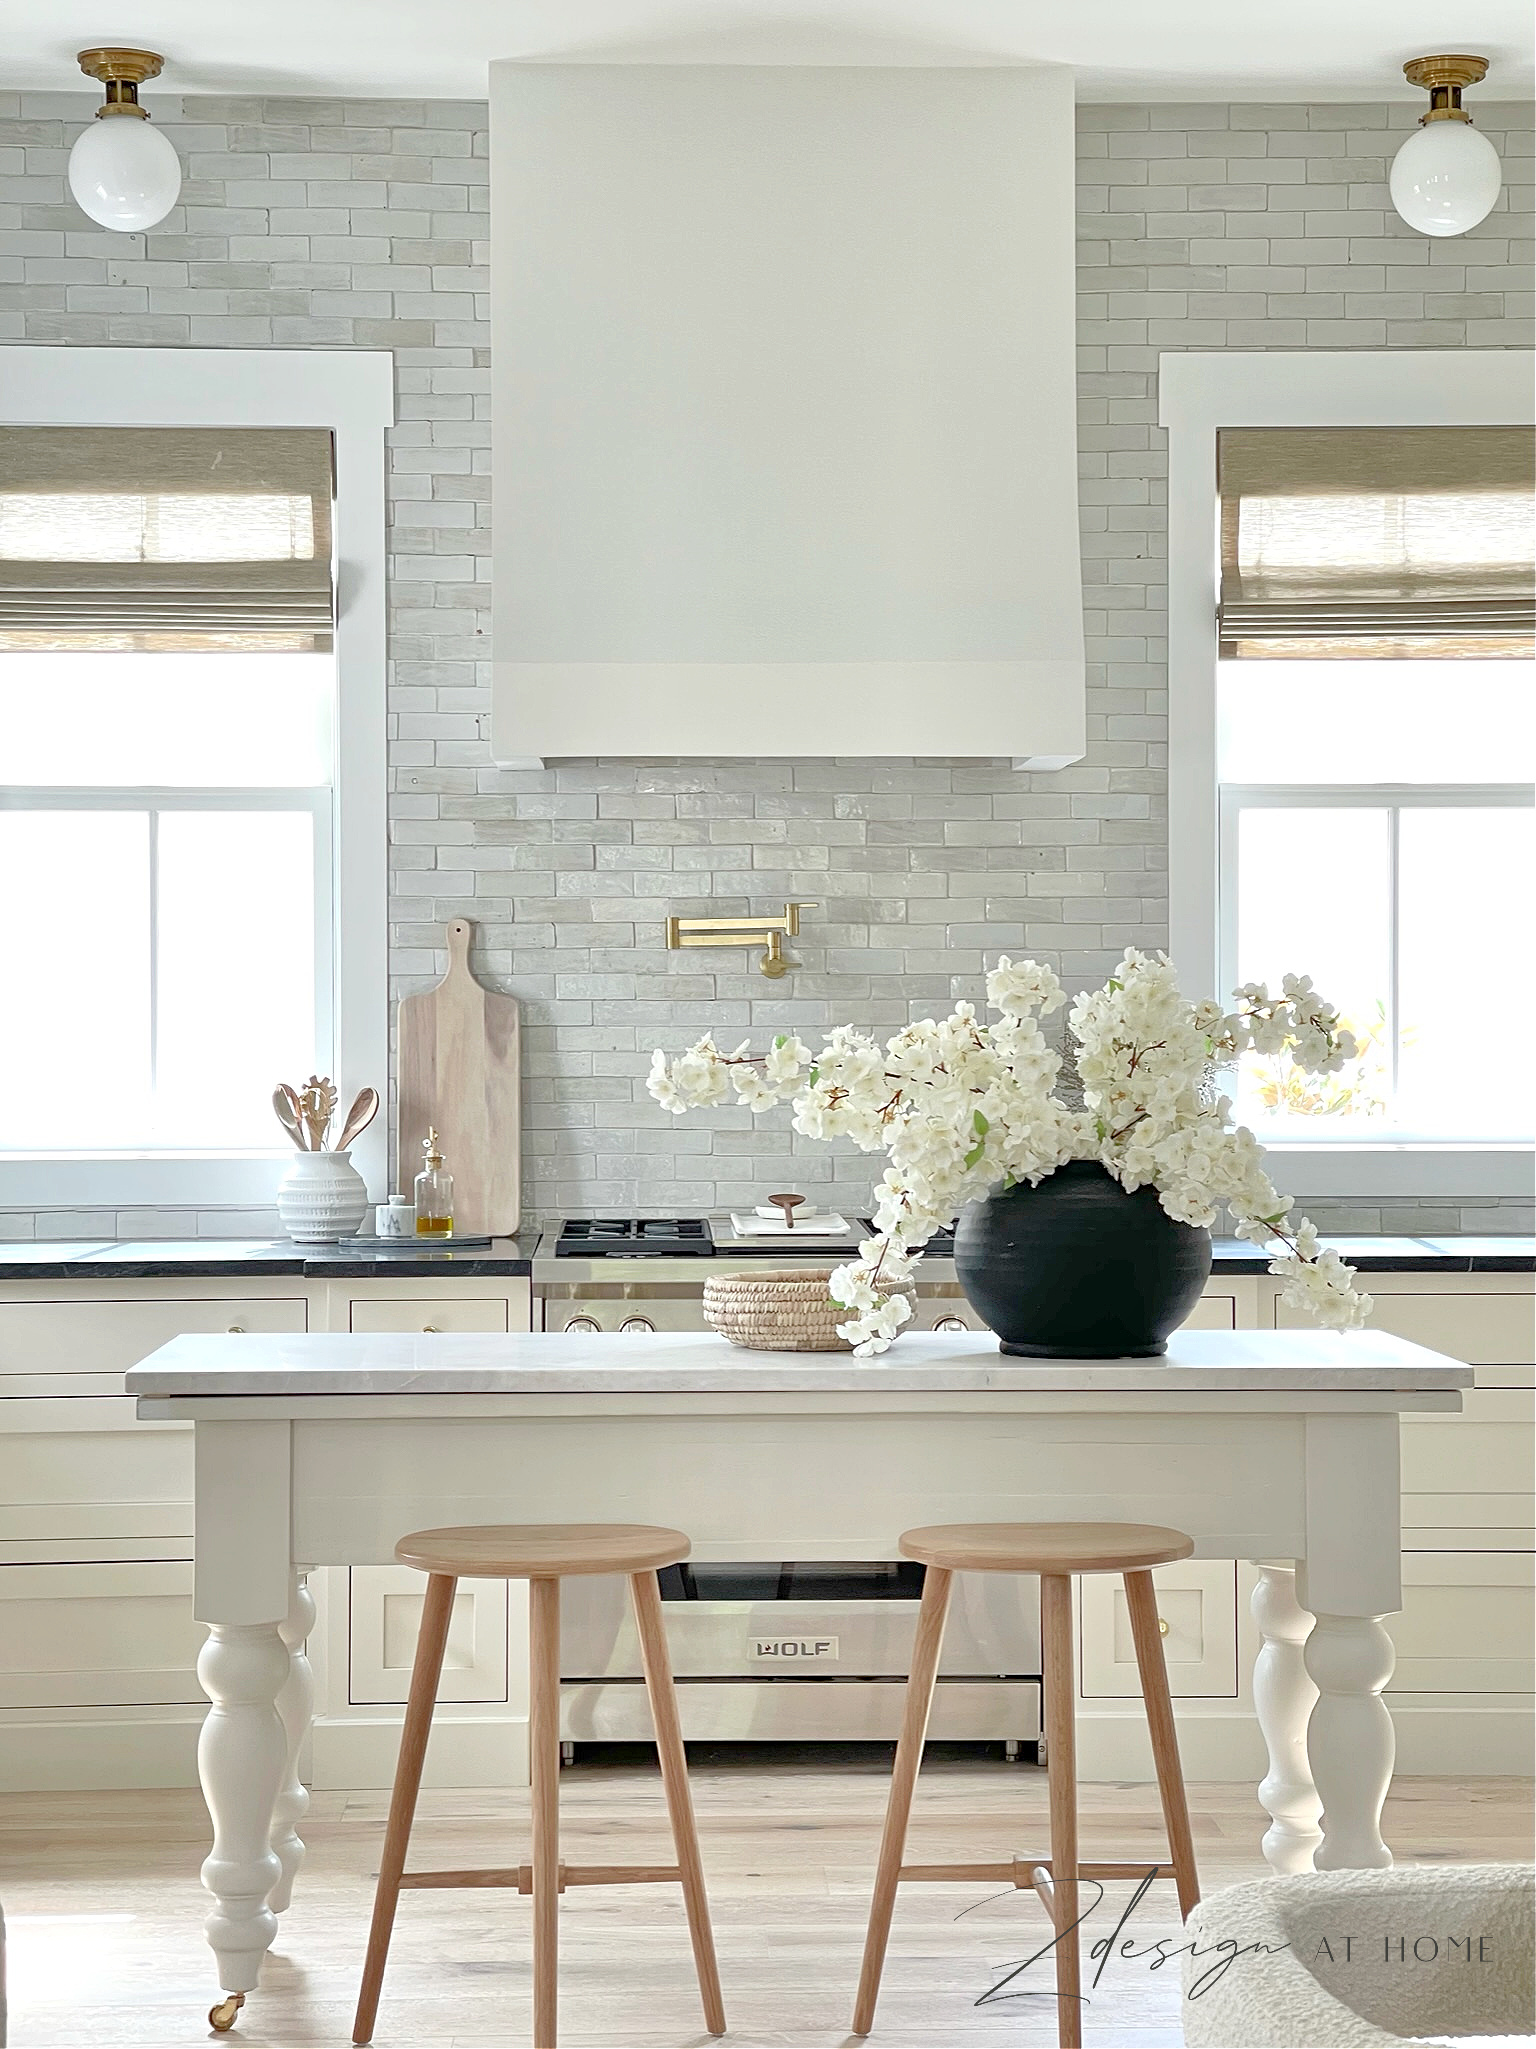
{"x": 787, "y": 1310}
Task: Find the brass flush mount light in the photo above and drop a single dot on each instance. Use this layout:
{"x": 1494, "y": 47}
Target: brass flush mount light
{"x": 123, "y": 172}
{"x": 1446, "y": 176}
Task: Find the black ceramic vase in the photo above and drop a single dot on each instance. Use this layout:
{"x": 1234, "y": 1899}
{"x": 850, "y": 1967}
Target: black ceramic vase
{"x": 1077, "y": 1269}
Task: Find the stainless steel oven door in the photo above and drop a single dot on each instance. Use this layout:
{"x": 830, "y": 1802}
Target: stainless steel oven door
{"x": 809, "y": 1652}
{"x": 822, "y": 1620}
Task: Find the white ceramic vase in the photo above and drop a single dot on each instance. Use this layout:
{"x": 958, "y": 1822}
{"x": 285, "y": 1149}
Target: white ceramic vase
{"x": 322, "y": 1198}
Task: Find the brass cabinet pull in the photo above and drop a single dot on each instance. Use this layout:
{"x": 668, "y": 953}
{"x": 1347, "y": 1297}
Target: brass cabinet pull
{"x": 1162, "y": 1626}
{"x": 430, "y": 1327}
{"x": 235, "y": 1330}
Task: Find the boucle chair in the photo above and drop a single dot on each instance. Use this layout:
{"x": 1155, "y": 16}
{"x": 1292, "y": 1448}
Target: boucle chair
{"x": 1440, "y": 1954}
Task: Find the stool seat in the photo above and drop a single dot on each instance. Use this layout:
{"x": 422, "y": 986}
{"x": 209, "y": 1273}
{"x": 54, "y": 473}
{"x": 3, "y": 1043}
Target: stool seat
{"x": 1046, "y": 1547}
{"x": 542, "y": 1550}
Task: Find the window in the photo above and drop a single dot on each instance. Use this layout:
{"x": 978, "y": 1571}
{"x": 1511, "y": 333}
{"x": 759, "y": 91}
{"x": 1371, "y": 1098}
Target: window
{"x": 191, "y": 772}
{"x": 1352, "y": 737}
{"x": 1374, "y": 711}
{"x": 166, "y": 838}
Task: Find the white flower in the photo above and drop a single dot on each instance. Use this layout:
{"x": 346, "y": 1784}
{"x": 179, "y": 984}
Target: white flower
{"x": 962, "y": 1109}
{"x": 1021, "y": 986}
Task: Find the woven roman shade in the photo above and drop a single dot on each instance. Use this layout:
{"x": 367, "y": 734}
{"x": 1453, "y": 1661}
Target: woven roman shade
{"x": 1399, "y": 541}
{"x": 165, "y": 536}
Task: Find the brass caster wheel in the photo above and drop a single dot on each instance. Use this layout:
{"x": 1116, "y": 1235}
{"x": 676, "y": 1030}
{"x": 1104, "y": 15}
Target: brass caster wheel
{"x": 221, "y": 2018}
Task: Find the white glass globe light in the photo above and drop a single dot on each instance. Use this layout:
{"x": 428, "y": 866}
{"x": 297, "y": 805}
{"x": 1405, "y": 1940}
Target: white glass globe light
{"x": 124, "y": 173}
{"x": 1445, "y": 178}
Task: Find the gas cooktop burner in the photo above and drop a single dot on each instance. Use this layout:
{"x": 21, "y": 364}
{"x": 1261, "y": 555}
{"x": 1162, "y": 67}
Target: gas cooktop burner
{"x": 634, "y": 1238}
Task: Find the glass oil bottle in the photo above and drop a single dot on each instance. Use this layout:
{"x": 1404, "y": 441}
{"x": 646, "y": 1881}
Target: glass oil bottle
{"x": 434, "y": 1193}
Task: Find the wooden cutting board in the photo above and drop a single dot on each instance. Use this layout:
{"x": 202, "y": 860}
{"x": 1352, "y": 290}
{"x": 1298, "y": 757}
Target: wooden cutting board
{"x": 460, "y": 1070}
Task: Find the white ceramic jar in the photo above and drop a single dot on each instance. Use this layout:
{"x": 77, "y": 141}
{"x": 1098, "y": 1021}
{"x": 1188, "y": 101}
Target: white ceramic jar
{"x": 322, "y": 1198}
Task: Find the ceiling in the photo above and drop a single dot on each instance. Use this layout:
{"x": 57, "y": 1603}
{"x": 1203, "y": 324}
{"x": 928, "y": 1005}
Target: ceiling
{"x": 439, "y": 49}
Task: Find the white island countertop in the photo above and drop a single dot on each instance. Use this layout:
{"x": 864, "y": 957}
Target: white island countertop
{"x": 199, "y": 1369}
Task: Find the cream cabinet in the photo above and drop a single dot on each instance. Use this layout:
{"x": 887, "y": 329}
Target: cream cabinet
{"x": 99, "y": 1686}
{"x": 1197, "y": 1617}
{"x": 383, "y": 1614}
{"x": 98, "y": 1682}
{"x": 485, "y": 1313}
{"x": 98, "y": 1635}
{"x": 85, "y": 1347}
{"x": 1463, "y": 1636}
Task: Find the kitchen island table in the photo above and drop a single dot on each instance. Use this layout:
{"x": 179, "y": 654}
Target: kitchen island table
{"x": 1276, "y": 1446}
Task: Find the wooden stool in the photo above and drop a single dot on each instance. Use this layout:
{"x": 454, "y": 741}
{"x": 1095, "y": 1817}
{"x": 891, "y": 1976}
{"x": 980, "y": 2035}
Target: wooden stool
{"x": 1055, "y": 1551}
{"x": 543, "y": 1554}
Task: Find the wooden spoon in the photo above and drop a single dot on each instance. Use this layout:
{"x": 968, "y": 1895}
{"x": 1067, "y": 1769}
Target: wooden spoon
{"x": 789, "y": 1204}
{"x": 359, "y": 1117}
{"x": 285, "y": 1103}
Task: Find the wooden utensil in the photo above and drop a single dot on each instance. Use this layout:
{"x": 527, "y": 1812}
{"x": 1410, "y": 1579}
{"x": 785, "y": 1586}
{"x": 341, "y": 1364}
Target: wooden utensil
{"x": 789, "y": 1204}
{"x": 317, "y": 1106}
{"x": 286, "y": 1104}
{"x": 459, "y": 1070}
{"x": 359, "y": 1117}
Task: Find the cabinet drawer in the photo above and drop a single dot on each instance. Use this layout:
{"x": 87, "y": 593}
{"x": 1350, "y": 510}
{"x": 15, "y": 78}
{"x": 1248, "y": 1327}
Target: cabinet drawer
{"x": 1465, "y": 1624}
{"x": 84, "y": 1348}
{"x": 453, "y": 1314}
{"x": 135, "y": 1481}
{"x": 384, "y": 1613}
{"x": 1475, "y": 1470}
{"x": 95, "y": 1635}
{"x": 1197, "y": 1598}
{"x": 1464, "y": 1324}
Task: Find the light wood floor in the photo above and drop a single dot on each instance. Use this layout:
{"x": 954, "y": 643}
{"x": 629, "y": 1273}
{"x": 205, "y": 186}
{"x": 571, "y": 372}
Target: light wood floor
{"x": 102, "y": 1898}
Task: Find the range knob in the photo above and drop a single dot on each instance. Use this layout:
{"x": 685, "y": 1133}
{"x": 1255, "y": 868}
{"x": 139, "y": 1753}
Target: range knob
{"x": 583, "y": 1323}
{"x": 949, "y": 1323}
{"x": 637, "y": 1323}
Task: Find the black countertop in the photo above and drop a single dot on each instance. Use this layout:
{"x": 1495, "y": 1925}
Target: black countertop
{"x": 228, "y": 1258}
{"x": 1381, "y": 1255}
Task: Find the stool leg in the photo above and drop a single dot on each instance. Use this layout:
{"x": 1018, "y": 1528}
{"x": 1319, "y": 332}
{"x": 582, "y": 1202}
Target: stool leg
{"x": 544, "y": 1761}
{"x": 1060, "y": 1728}
{"x": 431, "y": 1642}
{"x": 646, "y": 1595}
{"x": 909, "y": 1755}
{"x": 1141, "y": 1599}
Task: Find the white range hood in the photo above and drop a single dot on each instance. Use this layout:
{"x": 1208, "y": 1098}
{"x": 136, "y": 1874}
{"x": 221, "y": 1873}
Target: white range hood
{"x": 784, "y": 431}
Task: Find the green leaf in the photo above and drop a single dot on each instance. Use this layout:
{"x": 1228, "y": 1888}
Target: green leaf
{"x": 979, "y": 1124}
{"x": 1101, "y": 1129}
{"x": 779, "y": 1040}
{"x": 812, "y": 1078}
{"x": 974, "y": 1155}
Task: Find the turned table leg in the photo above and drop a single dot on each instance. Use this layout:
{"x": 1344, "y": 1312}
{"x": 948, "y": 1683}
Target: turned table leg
{"x": 1283, "y": 1696}
{"x": 242, "y": 1756}
{"x": 1351, "y": 1577}
{"x": 296, "y": 1706}
{"x": 1350, "y": 1740}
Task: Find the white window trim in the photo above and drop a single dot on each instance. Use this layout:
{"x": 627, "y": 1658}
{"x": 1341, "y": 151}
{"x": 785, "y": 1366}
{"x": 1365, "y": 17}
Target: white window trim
{"x": 1200, "y": 392}
{"x": 350, "y": 392}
